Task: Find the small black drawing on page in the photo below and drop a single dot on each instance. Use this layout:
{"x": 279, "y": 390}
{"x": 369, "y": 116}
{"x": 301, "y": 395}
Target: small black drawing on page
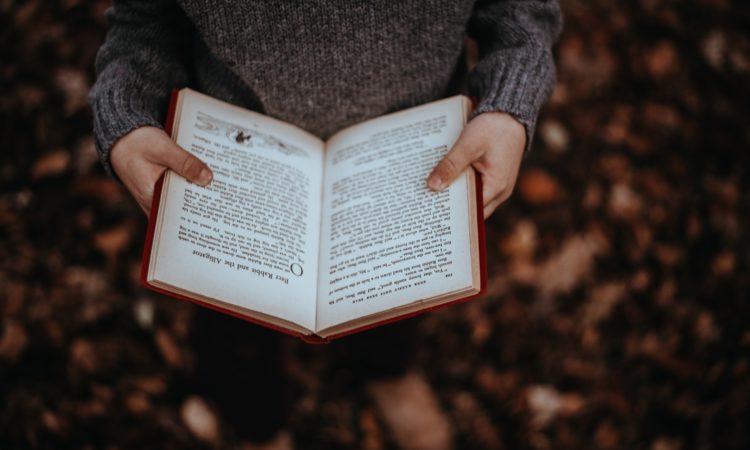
{"x": 246, "y": 136}
{"x": 240, "y": 137}
{"x": 207, "y": 123}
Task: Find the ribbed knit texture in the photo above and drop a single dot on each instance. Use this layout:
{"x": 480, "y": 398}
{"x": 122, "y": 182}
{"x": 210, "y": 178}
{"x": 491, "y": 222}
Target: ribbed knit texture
{"x": 321, "y": 65}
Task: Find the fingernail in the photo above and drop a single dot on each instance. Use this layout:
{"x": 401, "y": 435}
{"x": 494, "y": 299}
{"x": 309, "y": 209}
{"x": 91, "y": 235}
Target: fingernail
{"x": 435, "y": 183}
{"x": 205, "y": 177}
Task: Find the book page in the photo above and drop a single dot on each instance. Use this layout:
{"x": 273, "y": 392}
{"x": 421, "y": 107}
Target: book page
{"x": 387, "y": 240}
{"x": 250, "y": 238}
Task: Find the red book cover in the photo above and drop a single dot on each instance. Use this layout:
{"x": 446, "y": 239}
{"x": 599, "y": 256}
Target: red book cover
{"x": 312, "y": 339}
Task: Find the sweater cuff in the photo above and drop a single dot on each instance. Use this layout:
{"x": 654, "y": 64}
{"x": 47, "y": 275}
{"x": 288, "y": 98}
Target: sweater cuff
{"x": 517, "y": 83}
{"x": 118, "y": 112}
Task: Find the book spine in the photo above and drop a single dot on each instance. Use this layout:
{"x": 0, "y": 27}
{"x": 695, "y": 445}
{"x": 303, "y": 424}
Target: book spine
{"x": 146, "y": 259}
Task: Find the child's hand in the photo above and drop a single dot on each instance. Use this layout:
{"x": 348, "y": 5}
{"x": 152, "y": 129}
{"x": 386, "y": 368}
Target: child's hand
{"x": 141, "y": 156}
{"x": 493, "y": 143}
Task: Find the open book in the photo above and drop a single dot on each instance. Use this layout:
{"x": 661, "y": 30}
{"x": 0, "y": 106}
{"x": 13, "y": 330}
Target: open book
{"x": 316, "y": 239}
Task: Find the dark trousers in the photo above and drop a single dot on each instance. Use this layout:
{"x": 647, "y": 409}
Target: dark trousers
{"x": 240, "y": 367}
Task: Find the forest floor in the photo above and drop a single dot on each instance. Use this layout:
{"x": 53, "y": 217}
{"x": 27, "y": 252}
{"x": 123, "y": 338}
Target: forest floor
{"x": 617, "y": 314}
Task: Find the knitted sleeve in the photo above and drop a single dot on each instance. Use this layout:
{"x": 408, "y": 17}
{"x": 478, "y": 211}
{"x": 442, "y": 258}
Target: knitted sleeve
{"x": 145, "y": 55}
{"x": 515, "y": 72}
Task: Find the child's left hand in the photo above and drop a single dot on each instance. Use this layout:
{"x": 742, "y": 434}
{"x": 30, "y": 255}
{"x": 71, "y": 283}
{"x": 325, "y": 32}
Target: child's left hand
{"x": 493, "y": 143}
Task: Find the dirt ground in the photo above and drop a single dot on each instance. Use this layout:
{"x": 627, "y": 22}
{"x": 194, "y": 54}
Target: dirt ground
{"x": 617, "y": 313}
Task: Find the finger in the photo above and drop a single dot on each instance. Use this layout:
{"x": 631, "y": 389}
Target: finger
{"x": 146, "y": 209}
{"x": 453, "y": 164}
{"x": 184, "y": 163}
{"x": 146, "y": 199}
{"x": 490, "y": 207}
{"x": 496, "y": 187}
{"x": 142, "y": 193}
{"x": 495, "y": 193}
{"x": 140, "y": 179}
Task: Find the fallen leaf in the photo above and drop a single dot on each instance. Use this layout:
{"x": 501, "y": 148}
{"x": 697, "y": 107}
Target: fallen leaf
{"x": 740, "y": 61}
{"x": 111, "y": 242}
{"x": 706, "y": 328}
{"x": 168, "y": 348}
{"x": 83, "y": 355}
{"x": 138, "y": 403}
{"x": 661, "y": 117}
{"x": 101, "y": 189}
{"x": 522, "y": 241}
{"x": 153, "y": 385}
{"x": 372, "y": 434}
{"x": 714, "y": 48}
{"x": 144, "y": 311}
{"x": 724, "y": 264}
{"x": 537, "y": 187}
{"x": 546, "y": 403}
{"x": 667, "y": 443}
{"x": 640, "y": 281}
{"x": 592, "y": 197}
{"x": 607, "y": 435}
{"x": 554, "y": 135}
{"x": 661, "y": 59}
{"x": 13, "y": 341}
{"x": 412, "y": 412}
{"x": 50, "y": 165}
{"x": 75, "y": 87}
{"x": 53, "y": 422}
{"x": 565, "y": 269}
{"x": 200, "y": 420}
{"x": 85, "y": 155}
{"x": 623, "y": 202}
{"x": 601, "y": 302}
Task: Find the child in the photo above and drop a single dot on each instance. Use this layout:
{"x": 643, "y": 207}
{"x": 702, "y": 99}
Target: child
{"x": 322, "y": 66}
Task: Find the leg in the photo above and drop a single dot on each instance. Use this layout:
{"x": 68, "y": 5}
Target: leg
{"x": 239, "y": 367}
{"x": 383, "y": 352}
{"x": 409, "y": 407}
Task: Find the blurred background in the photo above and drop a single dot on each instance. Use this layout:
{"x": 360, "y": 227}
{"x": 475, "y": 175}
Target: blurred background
{"x": 618, "y": 312}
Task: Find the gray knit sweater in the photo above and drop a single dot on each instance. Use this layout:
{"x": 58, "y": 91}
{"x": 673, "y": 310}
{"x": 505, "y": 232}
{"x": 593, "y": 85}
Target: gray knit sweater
{"x": 321, "y": 65}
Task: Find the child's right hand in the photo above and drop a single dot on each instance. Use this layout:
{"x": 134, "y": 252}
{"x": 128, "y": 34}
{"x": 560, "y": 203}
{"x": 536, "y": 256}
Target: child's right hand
{"x": 140, "y": 157}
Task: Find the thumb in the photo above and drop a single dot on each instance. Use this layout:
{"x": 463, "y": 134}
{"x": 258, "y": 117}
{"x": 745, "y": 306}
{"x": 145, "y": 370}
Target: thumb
{"x": 184, "y": 163}
{"x": 452, "y": 165}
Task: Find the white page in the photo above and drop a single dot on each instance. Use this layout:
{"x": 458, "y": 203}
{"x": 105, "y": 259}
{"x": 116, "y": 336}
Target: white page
{"x": 387, "y": 240}
{"x": 251, "y": 237}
